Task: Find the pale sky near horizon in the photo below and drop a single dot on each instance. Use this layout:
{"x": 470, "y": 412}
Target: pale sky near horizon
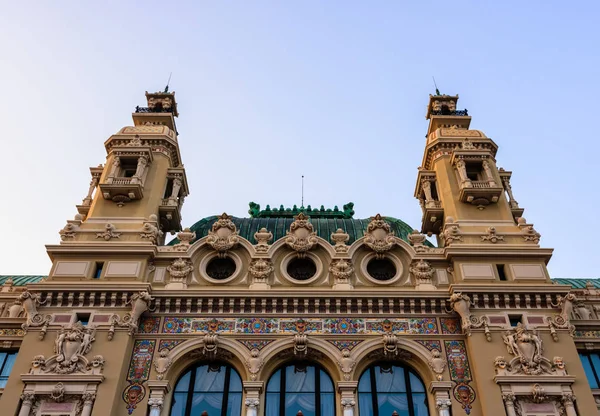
{"x": 269, "y": 91}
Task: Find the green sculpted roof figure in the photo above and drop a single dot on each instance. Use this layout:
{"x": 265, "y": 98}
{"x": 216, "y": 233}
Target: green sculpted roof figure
{"x": 281, "y": 212}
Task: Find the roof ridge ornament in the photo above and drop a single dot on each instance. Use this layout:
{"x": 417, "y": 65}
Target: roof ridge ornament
{"x": 379, "y": 236}
{"x": 301, "y": 237}
{"x": 223, "y": 236}
{"x": 282, "y": 212}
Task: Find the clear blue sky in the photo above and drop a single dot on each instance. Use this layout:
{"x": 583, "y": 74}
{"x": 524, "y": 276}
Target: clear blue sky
{"x": 268, "y": 91}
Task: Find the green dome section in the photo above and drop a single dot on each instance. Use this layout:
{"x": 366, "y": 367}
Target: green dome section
{"x": 324, "y": 227}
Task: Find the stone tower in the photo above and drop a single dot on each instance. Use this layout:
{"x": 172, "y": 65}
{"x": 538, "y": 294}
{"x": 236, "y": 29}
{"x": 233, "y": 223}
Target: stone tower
{"x": 467, "y": 201}
{"x": 133, "y": 199}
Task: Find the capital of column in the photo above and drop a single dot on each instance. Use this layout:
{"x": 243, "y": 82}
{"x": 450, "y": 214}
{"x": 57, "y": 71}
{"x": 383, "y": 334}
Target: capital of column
{"x": 28, "y": 398}
{"x": 252, "y": 403}
{"x": 443, "y": 404}
{"x": 155, "y": 402}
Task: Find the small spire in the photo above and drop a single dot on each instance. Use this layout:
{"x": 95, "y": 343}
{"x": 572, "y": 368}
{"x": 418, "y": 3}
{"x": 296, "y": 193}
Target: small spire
{"x": 437, "y": 92}
{"x": 168, "y": 82}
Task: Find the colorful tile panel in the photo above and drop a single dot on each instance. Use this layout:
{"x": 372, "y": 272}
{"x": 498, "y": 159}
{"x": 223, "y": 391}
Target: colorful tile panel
{"x": 426, "y": 326}
{"x": 311, "y": 326}
{"x": 450, "y": 326}
{"x": 12, "y": 332}
{"x": 431, "y": 344}
{"x": 257, "y": 325}
{"x": 344, "y": 344}
{"x": 139, "y": 371}
{"x": 141, "y": 360}
{"x": 203, "y": 325}
{"x": 149, "y": 325}
{"x": 257, "y": 344}
{"x": 587, "y": 334}
{"x": 169, "y": 344}
{"x": 465, "y": 395}
{"x": 458, "y": 363}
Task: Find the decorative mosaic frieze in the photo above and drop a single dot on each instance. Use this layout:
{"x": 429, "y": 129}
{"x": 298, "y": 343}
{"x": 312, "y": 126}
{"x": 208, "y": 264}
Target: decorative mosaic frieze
{"x": 310, "y": 326}
{"x": 431, "y": 344}
{"x": 458, "y": 363}
{"x": 587, "y": 334}
{"x": 139, "y": 371}
{"x": 345, "y": 344}
{"x": 450, "y": 326}
{"x": 169, "y": 344}
{"x": 407, "y": 326}
{"x": 176, "y": 325}
{"x": 255, "y": 344}
{"x": 12, "y": 332}
{"x": 149, "y": 325}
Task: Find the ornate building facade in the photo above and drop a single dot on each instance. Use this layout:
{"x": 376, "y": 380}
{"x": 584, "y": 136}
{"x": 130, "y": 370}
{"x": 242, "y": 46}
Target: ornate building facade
{"x": 298, "y": 311}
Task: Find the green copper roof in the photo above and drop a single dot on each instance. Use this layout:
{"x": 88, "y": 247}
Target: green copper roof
{"x": 577, "y": 283}
{"x": 21, "y": 280}
{"x": 324, "y": 227}
{"x": 282, "y": 212}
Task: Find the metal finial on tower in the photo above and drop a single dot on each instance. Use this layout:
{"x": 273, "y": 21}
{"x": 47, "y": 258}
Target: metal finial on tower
{"x": 302, "y": 204}
{"x": 437, "y": 92}
{"x": 168, "y": 82}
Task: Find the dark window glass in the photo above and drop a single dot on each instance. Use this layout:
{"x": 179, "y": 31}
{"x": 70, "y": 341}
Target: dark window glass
{"x": 591, "y": 366}
{"x": 385, "y": 388}
{"x": 301, "y": 269}
{"x": 300, "y": 387}
{"x": 7, "y": 360}
{"x": 215, "y": 389}
{"x": 381, "y": 269}
{"x": 219, "y": 268}
{"x": 98, "y": 272}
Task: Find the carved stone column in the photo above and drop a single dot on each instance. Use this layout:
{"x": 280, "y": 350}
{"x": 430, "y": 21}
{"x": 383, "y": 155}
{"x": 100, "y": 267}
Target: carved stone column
{"x": 113, "y": 169}
{"x": 252, "y": 406}
{"x": 88, "y": 198}
{"x": 461, "y": 167}
{"x": 509, "y": 404}
{"x": 443, "y": 406}
{"x": 348, "y": 404}
{"x": 158, "y": 389}
{"x": 27, "y": 403}
{"x": 488, "y": 173}
{"x": 441, "y": 393}
{"x": 347, "y": 390}
{"x": 567, "y": 400}
{"x": 511, "y": 199}
{"x": 141, "y": 167}
{"x": 252, "y": 402}
{"x": 176, "y": 187}
{"x": 156, "y": 405}
{"x": 88, "y": 403}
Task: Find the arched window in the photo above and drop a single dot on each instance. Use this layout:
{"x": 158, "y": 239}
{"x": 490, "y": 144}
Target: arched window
{"x": 296, "y": 387}
{"x": 385, "y": 388}
{"x": 212, "y": 388}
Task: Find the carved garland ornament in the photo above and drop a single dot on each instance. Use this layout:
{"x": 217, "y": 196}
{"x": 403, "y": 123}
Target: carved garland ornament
{"x": 341, "y": 269}
{"x": 223, "y": 236}
{"x": 301, "y": 237}
{"x": 379, "y": 236}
